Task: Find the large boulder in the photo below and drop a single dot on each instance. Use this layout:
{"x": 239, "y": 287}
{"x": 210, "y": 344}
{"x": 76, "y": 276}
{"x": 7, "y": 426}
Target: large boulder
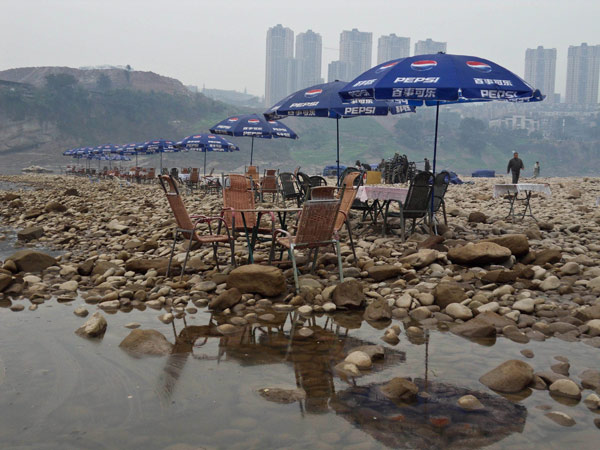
{"x": 477, "y": 254}
{"x": 100, "y": 267}
{"x": 55, "y": 206}
{"x": 254, "y": 278}
{"x": 95, "y": 327}
{"x": 384, "y": 272}
{"x": 30, "y": 233}
{"x": 379, "y": 309}
{"x": 146, "y": 342}
{"x": 448, "y": 292}
{"x": 400, "y": 389}
{"x": 516, "y": 243}
{"x": 474, "y": 329}
{"x": 510, "y": 376}
{"x": 477, "y": 217}
{"x": 348, "y": 294}
{"x": 225, "y": 299}
{"x": 547, "y": 256}
{"x": 5, "y": 281}
{"x": 422, "y": 258}
{"x": 142, "y": 265}
{"x": 32, "y": 260}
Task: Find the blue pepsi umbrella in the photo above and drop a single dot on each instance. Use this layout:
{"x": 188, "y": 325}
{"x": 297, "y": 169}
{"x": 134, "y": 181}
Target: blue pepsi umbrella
{"x": 323, "y": 100}
{"x": 439, "y": 79}
{"x": 254, "y": 126}
{"x": 157, "y": 146}
{"x": 207, "y": 143}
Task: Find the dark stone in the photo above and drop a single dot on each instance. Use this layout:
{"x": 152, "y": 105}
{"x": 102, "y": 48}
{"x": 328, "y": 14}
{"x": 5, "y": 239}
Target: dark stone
{"x": 448, "y": 292}
{"x": 378, "y": 310}
{"x": 477, "y": 217}
{"x": 226, "y": 299}
{"x": 55, "y": 207}
{"x": 32, "y": 260}
{"x": 349, "y": 294}
{"x": 510, "y": 376}
{"x": 30, "y": 233}
{"x": 547, "y": 256}
{"x": 384, "y": 272}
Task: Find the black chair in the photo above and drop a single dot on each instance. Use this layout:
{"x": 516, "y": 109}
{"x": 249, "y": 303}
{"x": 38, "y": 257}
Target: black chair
{"x": 416, "y": 206}
{"x": 440, "y": 186}
{"x": 288, "y": 187}
{"x": 303, "y": 184}
{"x": 317, "y": 180}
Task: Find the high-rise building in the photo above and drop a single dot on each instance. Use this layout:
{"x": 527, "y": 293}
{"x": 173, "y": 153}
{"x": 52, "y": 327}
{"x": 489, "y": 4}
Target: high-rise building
{"x": 338, "y": 70}
{"x": 540, "y": 70}
{"x": 392, "y": 47}
{"x": 429, "y": 47}
{"x": 356, "y": 48}
{"x": 280, "y": 50}
{"x": 583, "y": 70}
{"x": 308, "y": 55}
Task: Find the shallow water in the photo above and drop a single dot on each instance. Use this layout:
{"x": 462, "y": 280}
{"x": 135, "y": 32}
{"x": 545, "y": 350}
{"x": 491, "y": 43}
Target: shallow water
{"x": 63, "y": 391}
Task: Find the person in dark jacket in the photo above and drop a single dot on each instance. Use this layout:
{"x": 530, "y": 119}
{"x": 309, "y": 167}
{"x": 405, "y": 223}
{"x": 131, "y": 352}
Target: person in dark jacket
{"x": 515, "y": 165}
{"x": 427, "y": 165}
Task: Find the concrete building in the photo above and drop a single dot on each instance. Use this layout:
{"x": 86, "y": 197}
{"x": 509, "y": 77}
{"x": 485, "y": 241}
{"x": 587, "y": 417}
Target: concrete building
{"x": 540, "y": 70}
{"x": 356, "y": 49}
{"x": 516, "y": 122}
{"x": 338, "y": 70}
{"x": 308, "y": 56}
{"x": 583, "y": 70}
{"x": 429, "y": 47}
{"x": 280, "y": 50}
{"x": 392, "y": 47}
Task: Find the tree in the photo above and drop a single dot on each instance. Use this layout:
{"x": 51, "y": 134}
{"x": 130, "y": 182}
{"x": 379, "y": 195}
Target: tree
{"x": 60, "y": 82}
{"x": 104, "y": 83}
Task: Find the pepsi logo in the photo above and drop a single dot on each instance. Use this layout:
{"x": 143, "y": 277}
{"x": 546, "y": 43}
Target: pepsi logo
{"x": 423, "y": 65}
{"x": 313, "y": 93}
{"x": 479, "y": 66}
{"x": 386, "y": 67}
{"x": 253, "y": 121}
{"x": 233, "y": 119}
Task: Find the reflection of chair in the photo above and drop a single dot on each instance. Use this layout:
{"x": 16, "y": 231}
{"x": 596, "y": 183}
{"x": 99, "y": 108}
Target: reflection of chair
{"x": 315, "y": 229}
{"x": 417, "y": 203}
{"x": 189, "y": 230}
{"x": 288, "y": 187}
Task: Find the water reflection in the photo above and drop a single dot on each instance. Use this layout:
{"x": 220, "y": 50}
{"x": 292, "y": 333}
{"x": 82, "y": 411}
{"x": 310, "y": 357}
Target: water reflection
{"x": 433, "y": 420}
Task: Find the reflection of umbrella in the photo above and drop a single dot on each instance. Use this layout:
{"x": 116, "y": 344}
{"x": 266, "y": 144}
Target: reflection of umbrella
{"x": 206, "y": 143}
{"x": 438, "y": 79}
{"x": 157, "y": 146}
{"x": 323, "y": 100}
{"x": 253, "y": 125}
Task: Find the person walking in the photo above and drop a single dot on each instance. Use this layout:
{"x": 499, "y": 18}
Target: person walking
{"x": 514, "y": 166}
{"x": 427, "y": 165}
{"x": 536, "y": 169}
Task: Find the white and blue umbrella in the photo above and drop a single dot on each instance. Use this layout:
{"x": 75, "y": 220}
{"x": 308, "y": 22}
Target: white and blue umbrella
{"x": 158, "y": 146}
{"x": 254, "y": 126}
{"x": 323, "y": 100}
{"x": 440, "y": 79}
{"x": 206, "y": 143}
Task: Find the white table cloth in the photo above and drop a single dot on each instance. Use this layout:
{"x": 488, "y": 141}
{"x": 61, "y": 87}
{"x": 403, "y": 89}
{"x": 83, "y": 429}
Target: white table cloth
{"x": 383, "y": 193}
{"x": 504, "y": 189}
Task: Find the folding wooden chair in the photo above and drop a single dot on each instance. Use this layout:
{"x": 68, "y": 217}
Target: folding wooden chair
{"x": 314, "y": 230}
{"x": 189, "y": 230}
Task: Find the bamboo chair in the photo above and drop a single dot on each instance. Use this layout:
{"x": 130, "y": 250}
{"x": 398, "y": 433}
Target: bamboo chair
{"x": 347, "y": 199}
{"x": 236, "y": 196}
{"x": 268, "y": 184}
{"x": 194, "y": 178}
{"x": 314, "y": 230}
{"x": 188, "y": 229}
{"x": 323, "y": 192}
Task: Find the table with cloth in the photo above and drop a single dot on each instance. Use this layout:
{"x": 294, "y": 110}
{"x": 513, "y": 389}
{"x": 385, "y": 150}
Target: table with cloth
{"x": 380, "y": 197}
{"x": 512, "y": 191}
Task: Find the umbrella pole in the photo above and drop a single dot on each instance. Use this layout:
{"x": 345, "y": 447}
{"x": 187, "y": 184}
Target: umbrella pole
{"x": 136, "y": 161}
{"x": 337, "y": 126}
{"x": 251, "y": 150}
{"x": 161, "y": 162}
{"x": 205, "y": 162}
{"x": 437, "y": 116}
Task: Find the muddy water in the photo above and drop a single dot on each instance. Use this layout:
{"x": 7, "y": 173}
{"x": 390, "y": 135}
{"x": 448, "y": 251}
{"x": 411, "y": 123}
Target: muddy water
{"x": 58, "y": 390}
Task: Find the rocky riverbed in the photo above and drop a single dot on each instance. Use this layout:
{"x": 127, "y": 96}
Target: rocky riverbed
{"x": 483, "y": 280}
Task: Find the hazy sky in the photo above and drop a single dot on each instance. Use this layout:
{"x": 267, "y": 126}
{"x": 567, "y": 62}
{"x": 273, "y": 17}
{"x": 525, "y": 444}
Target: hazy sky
{"x": 222, "y": 43}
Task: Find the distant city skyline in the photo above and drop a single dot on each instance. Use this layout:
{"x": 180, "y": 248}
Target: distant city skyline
{"x": 224, "y": 47}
